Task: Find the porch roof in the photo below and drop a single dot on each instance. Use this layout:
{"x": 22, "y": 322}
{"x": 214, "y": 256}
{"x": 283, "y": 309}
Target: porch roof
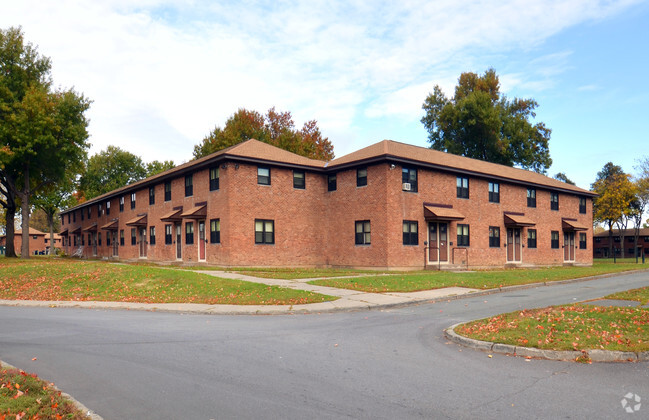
{"x": 518, "y": 220}
{"x": 433, "y": 212}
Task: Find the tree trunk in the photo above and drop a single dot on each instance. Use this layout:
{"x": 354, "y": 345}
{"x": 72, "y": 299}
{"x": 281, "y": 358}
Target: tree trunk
{"x": 10, "y": 251}
{"x": 24, "y": 210}
{"x": 611, "y": 249}
{"x": 50, "y": 221}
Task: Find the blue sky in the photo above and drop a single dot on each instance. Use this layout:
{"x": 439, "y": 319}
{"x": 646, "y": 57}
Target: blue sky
{"x": 163, "y": 73}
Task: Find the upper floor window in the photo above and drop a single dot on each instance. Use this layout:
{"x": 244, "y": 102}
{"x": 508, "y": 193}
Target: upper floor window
{"x": 462, "y": 187}
{"x": 151, "y": 196}
{"x": 582, "y": 205}
{"x": 331, "y": 182}
{"x": 361, "y": 177}
{"x": 409, "y": 179}
{"x": 121, "y": 203}
{"x": 214, "y": 178}
{"x": 410, "y": 232}
{"x": 598, "y": 240}
{"x": 89, "y": 212}
{"x": 494, "y": 192}
{"x": 132, "y": 201}
{"x": 531, "y": 197}
{"x": 99, "y": 210}
{"x": 107, "y": 207}
{"x": 215, "y": 231}
{"x": 167, "y": 190}
{"x": 81, "y": 213}
{"x": 494, "y": 237}
{"x": 554, "y": 201}
{"x": 299, "y": 180}
{"x": 363, "y": 233}
{"x": 68, "y": 218}
{"x": 189, "y": 185}
{"x": 264, "y": 232}
{"x": 263, "y": 175}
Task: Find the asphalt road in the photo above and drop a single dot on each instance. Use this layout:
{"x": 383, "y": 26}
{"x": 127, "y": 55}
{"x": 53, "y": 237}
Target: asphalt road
{"x": 392, "y": 364}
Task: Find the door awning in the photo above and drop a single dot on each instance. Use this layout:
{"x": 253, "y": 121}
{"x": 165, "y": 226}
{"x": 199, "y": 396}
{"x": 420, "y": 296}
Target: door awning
{"x": 114, "y": 225}
{"x": 91, "y": 228}
{"x": 197, "y": 212}
{"x": 64, "y": 232}
{"x": 432, "y": 212}
{"x": 76, "y": 231}
{"x": 173, "y": 216}
{"x": 518, "y": 220}
{"x": 572, "y": 225}
{"x": 140, "y": 220}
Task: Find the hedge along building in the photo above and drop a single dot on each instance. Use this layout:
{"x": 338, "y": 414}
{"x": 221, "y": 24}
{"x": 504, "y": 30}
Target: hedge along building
{"x": 389, "y": 205}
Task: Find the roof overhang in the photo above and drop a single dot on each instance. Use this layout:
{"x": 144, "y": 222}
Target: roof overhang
{"x": 113, "y": 225}
{"x": 572, "y": 225}
{"x": 91, "y": 228}
{"x": 64, "y": 232}
{"x": 196, "y": 212}
{"x": 140, "y": 220}
{"x": 76, "y": 231}
{"x": 441, "y": 212}
{"x": 518, "y": 220}
{"x": 173, "y": 216}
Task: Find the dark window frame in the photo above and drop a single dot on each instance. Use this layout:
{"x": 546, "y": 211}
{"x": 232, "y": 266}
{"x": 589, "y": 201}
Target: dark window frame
{"x": 263, "y": 179}
{"x": 494, "y": 192}
{"x": 361, "y": 177}
{"x": 582, "y": 205}
{"x": 108, "y": 207}
{"x": 554, "y": 201}
{"x": 121, "y": 204}
{"x": 299, "y": 183}
{"x": 407, "y": 178}
{"x": 133, "y": 236}
{"x": 364, "y": 236}
{"x": 167, "y": 190}
{"x": 189, "y": 233}
{"x": 554, "y": 243}
{"x": 332, "y": 183}
{"x": 169, "y": 234}
{"x": 151, "y": 235}
{"x": 264, "y": 236}
{"x": 151, "y": 195}
{"x": 494, "y": 236}
{"x": 215, "y": 231}
{"x": 582, "y": 240}
{"x": 189, "y": 185}
{"x": 531, "y": 242}
{"x": 214, "y": 178}
{"x": 463, "y": 239}
{"x": 121, "y": 237}
{"x": 133, "y": 199}
{"x": 531, "y": 197}
{"x": 462, "y": 189}
{"x": 410, "y": 238}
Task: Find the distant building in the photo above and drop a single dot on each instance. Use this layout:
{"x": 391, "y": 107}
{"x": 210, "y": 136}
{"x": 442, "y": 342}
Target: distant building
{"x": 623, "y": 244}
{"x": 390, "y": 205}
{"x": 38, "y": 241}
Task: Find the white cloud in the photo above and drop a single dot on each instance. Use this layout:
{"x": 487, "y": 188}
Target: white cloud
{"x": 164, "y": 73}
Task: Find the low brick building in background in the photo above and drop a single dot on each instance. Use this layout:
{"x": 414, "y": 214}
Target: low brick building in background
{"x": 623, "y": 244}
{"x": 389, "y": 205}
{"x": 38, "y": 241}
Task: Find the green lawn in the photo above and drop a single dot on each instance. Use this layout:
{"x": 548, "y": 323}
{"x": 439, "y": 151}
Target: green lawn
{"x": 23, "y": 395}
{"x": 483, "y": 279}
{"x": 47, "y": 278}
{"x": 639, "y": 295}
{"x": 575, "y": 327}
{"x": 302, "y": 273}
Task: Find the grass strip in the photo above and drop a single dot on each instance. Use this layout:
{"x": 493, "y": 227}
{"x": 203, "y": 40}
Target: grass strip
{"x": 24, "y": 395}
{"x": 639, "y": 295}
{"x": 482, "y": 279}
{"x": 575, "y": 327}
{"x": 74, "y": 280}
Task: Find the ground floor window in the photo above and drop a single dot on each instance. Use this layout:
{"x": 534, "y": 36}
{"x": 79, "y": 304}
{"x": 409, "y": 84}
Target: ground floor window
{"x": 494, "y": 237}
{"x": 462, "y": 235}
{"x": 410, "y": 232}
{"x": 152, "y": 235}
{"x": 363, "y": 232}
{"x": 168, "y": 235}
{"x": 189, "y": 233}
{"x": 554, "y": 239}
{"x": 582, "y": 241}
{"x": 121, "y": 237}
{"x": 264, "y": 231}
{"x": 215, "y": 231}
{"x": 531, "y": 238}
{"x": 133, "y": 236}
{"x": 107, "y": 238}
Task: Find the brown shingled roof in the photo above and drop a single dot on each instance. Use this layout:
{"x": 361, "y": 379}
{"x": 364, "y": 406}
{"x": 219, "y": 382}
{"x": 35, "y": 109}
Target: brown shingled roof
{"x": 625, "y": 232}
{"x": 425, "y": 156}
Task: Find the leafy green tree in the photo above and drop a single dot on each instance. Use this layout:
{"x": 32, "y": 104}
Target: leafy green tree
{"x": 615, "y": 195}
{"x": 276, "y": 128}
{"x": 641, "y": 202}
{"x": 43, "y": 130}
{"x": 561, "y": 176}
{"x": 110, "y": 169}
{"x": 480, "y": 123}
{"x": 50, "y": 201}
{"x": 155, "y": 167}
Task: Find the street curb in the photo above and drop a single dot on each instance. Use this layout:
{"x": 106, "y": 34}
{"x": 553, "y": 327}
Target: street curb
{"x": 531, "y": 352}
{"x": 78, "y": 405}
{"x": 305, "y": 309}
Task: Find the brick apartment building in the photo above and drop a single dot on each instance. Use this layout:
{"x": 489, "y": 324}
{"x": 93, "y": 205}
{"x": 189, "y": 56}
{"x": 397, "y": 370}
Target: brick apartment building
{"x": 38, "y": 241}
{"x": 623, "y": 243}
{"x": 389, "y": 205}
